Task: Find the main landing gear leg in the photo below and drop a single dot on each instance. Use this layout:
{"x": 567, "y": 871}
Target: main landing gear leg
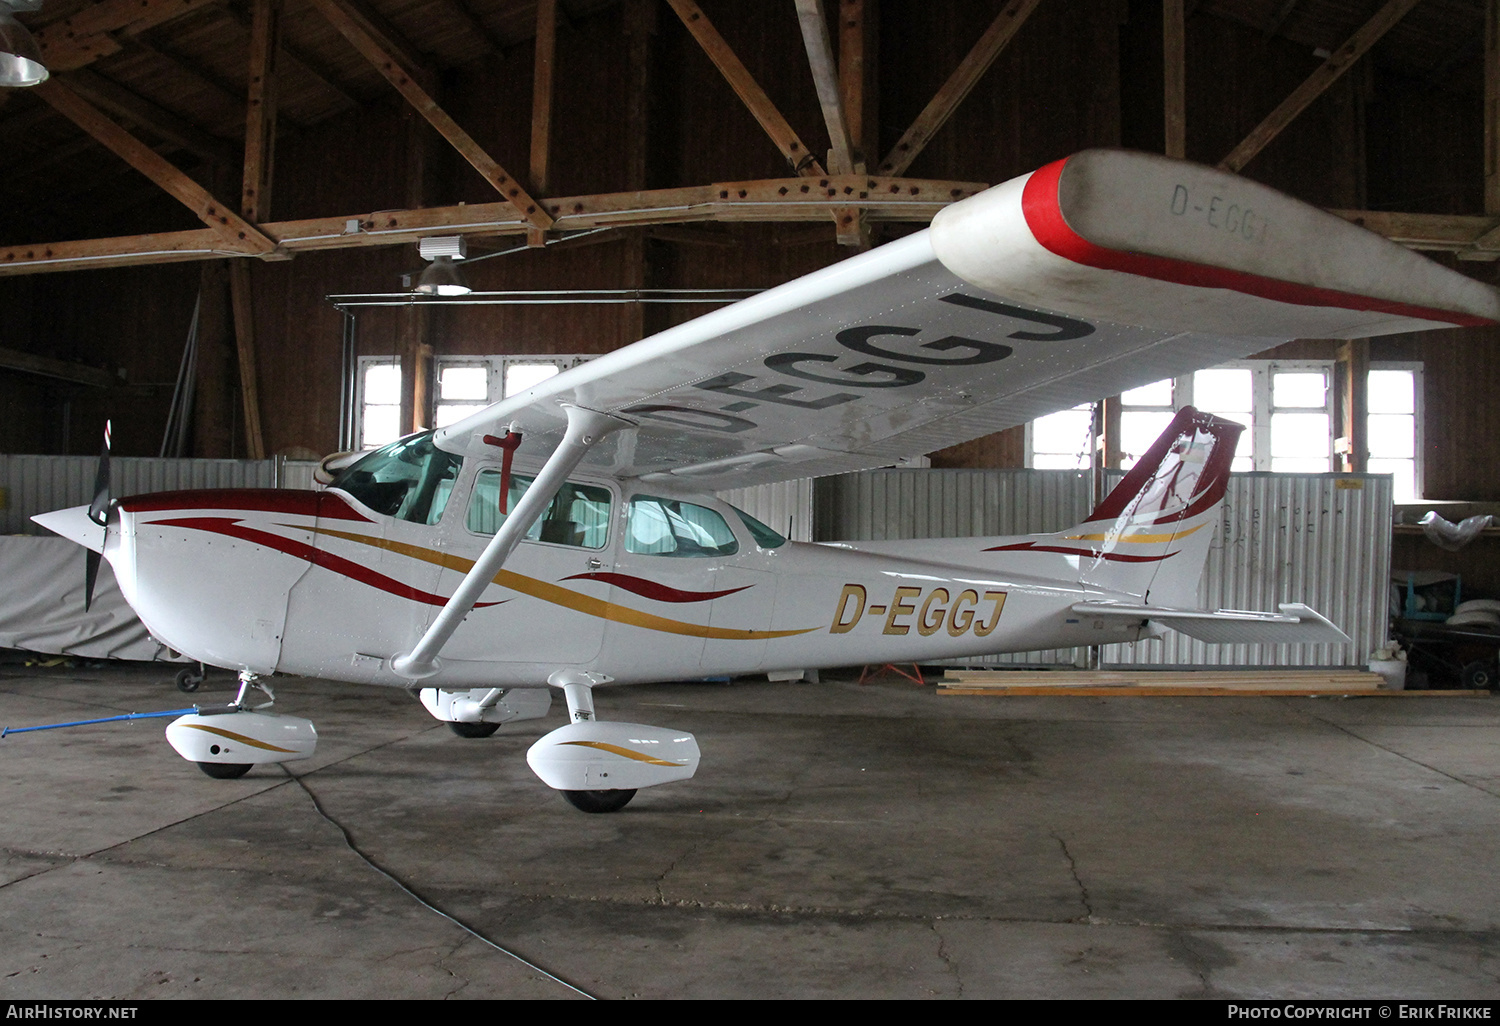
{"x": 578, "y": 688}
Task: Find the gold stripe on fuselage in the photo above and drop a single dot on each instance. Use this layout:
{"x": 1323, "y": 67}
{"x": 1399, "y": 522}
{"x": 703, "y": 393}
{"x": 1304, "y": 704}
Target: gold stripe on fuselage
{"x": 565, "y": 597}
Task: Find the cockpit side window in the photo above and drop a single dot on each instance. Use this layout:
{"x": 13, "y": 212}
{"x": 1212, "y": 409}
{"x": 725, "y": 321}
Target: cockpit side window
{"x": 410, "y": 479}
{"x": 667, "y": 527}
{"x": 578, "y": 515}
{"x": 763, "y": 535}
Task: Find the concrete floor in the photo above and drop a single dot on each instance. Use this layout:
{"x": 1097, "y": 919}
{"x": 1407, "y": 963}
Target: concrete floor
{"x": 839, "y": 841}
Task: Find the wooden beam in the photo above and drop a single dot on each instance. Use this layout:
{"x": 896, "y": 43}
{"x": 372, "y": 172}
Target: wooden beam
{"x": 781, "y": 199}
{"x": 115, "y": 99}
{"x": 1340, "y": 61}
{"x": 541, "y": 92}
{"x": 968, "y": 73}
{"x": 852, "y": 33}
{"x": 63, "y": 370}
{"x": 240, "y": 297}
{"x": 1174, "y": 76}
{"x": 640, "y": 29}
{"x": 1472, "y": 237}
{"x": 234, "y": 232}
{"x": 87, "y": 35}
{"x": 260, "y": 111}
{"x": 746, "y": 88}
{"x": 813, "y": 21}
{"x": 1492, "y": 106}
{"x": 1352, "y": 374}
{"x": 357, "y": 31}
{"x": 293, "y": 58}
{"x": 231, "y": 93}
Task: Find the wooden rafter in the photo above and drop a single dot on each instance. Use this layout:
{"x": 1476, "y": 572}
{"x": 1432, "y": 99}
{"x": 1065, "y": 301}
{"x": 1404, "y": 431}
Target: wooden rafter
{"x": 852, "y": 75}
{"x": 541, "y": 93}
{"x": 64, "y": 370}
{"x": 244, "y": 335}
{"x": 1174, "y": 76}
{"x": 968, "y": 73}
{"x": 1340, "y": 61}
{"x": 235, "y": 233}
{"x": 260, "y": 111}
{"x": 814, "y": 23}
{"x": 746, "y": 88}
{"x": 779, "y": 199}
{"x": 89, "y": 34}
{"x": 293, "y": 58}
{"x": 357, "y": 30}
{"x": 848, "y": 225}
{"x": 1492, "y": 107}
{"x": 116, "y": 100}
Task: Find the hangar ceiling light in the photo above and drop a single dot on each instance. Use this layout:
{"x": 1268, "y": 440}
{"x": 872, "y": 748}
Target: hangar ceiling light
{"x": 20, "y": 57}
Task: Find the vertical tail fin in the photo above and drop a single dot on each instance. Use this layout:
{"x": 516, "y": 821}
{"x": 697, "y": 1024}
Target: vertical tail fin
{"x": 1149, "y": 538}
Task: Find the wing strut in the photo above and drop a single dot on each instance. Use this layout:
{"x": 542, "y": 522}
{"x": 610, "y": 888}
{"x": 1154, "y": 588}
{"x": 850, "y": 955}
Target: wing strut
{"x": 585, "y": 429}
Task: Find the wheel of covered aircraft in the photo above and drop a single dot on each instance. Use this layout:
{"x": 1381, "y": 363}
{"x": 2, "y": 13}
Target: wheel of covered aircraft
{"x": 600, "y": 801}
{"x": 473, "y": 729}
{"x": 225, "y": 770}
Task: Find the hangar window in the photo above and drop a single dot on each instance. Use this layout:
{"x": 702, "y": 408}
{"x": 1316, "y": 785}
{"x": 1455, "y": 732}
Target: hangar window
{"x": 466, "y": 385}
{"x": 461, "y": 386}
{"x": 379, "y": 401}
{"x": 1287, "y": 407}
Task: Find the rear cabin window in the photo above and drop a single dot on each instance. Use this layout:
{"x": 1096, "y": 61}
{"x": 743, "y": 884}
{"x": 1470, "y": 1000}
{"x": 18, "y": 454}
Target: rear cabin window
{"x": 410, "y": 479}
{"x": 578, "y": 515}
{"x": 666, "y": 527}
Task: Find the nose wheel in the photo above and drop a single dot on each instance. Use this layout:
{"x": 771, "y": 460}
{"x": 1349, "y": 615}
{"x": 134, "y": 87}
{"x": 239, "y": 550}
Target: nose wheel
{"x": 597, "y": 801}
{"x": 190, "y": 679}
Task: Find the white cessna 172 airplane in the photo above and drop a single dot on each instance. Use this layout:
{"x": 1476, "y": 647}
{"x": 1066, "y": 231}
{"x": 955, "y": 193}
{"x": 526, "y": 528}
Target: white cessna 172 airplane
{"x": 600, "y": 555}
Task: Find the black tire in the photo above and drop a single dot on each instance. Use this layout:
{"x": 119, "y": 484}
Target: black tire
{"x": 1478, "y": 675}
{"x": 473, "y": 729}
{"x": 599, "y": 801}
{"x": 225, "y": 770}
{"x": 188, "y": 679}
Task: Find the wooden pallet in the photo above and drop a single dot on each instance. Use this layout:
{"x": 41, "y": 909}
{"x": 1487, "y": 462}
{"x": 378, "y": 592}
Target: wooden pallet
{"x": 1177, "y": 683}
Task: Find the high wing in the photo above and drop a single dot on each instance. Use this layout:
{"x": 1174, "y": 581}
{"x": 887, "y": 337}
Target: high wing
{"x": 1095, "y": 274}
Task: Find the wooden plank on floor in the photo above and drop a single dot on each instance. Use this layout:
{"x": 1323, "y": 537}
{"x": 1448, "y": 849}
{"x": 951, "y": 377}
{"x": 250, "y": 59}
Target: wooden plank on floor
{"x": 1146, "y": 691}
{"x": 1142, "y": 683}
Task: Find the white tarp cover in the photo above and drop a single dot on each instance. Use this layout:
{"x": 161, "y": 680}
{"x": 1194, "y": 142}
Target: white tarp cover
{"x": 41, "y": 605}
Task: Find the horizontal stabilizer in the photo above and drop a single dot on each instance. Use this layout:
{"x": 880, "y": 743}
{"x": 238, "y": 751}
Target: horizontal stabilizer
{"x": 1296, "y": 624}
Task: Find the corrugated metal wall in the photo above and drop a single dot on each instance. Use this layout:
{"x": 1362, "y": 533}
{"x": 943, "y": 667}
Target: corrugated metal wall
{"x": 1322, "y": 539}
{"x": 878, "y": 505}
{"x": 37, "y": 484}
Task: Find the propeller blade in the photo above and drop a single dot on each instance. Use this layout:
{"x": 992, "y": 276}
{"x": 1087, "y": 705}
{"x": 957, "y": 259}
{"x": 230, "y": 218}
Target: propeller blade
{"x": 90, "y": 576}
{"x": 99, "y": 514}
{"x": 99, "y": 508}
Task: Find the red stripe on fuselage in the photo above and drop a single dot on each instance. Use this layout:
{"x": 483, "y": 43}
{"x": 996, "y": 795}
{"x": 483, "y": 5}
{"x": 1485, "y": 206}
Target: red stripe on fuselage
{"x": 1045, "y": 218}
{"x": 653, "y": 590}
{"x": 1111, "y": 557}
{"x": 233, "y": 528}
{"x": 326, "y": 505}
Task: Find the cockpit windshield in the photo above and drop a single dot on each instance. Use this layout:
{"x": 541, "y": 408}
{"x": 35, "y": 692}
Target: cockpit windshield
{"x": 410, "y": 479}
